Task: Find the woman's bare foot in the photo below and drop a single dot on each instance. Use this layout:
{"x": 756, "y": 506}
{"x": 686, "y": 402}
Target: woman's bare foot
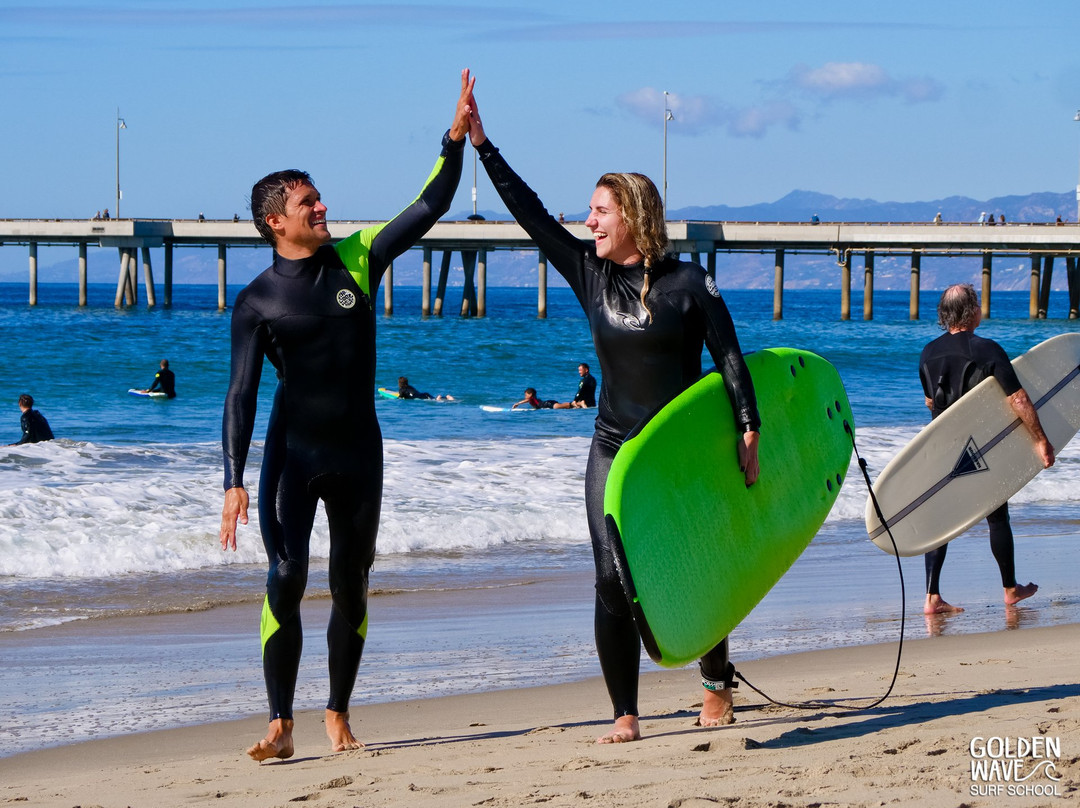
{"x": 1015, "y": 594}
{"x": 936, "y": 605}
{"x": 626, "y": 729}
{"x": 339, "y": 732}
{"x": 278, "y": 742}
{"x": 717, "y": 709}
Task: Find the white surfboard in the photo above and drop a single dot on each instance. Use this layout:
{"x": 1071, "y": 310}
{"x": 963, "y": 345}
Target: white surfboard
{"x": 974, "y": 456}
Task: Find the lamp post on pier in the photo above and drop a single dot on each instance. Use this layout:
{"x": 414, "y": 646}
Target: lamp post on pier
{"x": 120, "y": 124}
{"x": 668, "y": 116}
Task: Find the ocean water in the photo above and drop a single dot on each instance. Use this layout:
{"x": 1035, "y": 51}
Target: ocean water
{"x": 108, "y": 535}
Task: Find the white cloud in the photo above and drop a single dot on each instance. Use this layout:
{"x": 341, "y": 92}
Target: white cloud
{"x": 756, "y": 121}
{"x": 855, "y": 80}
{"x": 695, "y": 114}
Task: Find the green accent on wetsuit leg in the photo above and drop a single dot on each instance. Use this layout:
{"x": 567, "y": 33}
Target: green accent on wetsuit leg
{"x": 355, "y": 251}
{"x": 268, "y": 624}
{"x": 362, "y": 631}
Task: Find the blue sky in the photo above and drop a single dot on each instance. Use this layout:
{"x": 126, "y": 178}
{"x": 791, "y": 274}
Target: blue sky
{"x": 892, "y": 101}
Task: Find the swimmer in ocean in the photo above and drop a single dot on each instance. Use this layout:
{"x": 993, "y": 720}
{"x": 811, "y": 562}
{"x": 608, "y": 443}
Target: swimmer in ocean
{"x": 311, "y": 315}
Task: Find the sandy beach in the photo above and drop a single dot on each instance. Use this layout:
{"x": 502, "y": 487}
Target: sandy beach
{"x": 958, "y": 699}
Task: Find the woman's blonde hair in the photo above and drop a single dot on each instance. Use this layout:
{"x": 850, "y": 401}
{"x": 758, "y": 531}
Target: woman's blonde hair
{"x": 642, "y": 212}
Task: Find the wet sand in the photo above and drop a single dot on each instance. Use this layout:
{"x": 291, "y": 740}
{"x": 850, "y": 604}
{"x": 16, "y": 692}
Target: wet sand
{"x": 535, "y": 746}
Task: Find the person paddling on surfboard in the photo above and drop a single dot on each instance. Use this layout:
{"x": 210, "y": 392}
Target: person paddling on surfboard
{"x": 949, "y": 367}
{"x": 406, "y": 392}
{"x": 650, "y": 315}
{"x": 534, "y": 402}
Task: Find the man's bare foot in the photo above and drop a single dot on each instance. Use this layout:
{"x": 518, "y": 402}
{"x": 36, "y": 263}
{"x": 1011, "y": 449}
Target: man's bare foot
{"x": 716, "y": 709}
{"x": 339, "y": 732}
{"x": 626, "y": 729}
{"x": 278, "y": 742}
{"x": 1015, "y": 594}
{"x": 935, "y": 605}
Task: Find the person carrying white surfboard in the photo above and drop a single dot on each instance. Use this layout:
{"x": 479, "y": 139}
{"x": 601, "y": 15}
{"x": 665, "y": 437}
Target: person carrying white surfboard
{"x": 949, "y": 367}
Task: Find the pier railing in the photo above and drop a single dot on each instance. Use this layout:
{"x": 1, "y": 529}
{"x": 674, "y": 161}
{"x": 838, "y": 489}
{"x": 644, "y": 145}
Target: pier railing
{"x": 1041, "y": 243}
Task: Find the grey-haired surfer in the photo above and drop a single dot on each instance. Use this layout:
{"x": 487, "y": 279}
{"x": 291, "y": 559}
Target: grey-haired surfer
{"x": 949, "y": 367}
{"x": 650, "y": 315}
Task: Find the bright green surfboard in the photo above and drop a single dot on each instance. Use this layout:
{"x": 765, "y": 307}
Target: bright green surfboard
{"x": 699, "y": 549}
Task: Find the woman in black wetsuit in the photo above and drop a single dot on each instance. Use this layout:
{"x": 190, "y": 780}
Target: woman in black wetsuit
{"x": 650, "y": 315}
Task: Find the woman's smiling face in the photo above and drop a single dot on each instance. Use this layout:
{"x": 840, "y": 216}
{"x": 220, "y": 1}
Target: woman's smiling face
{"x": 613, "y": 240}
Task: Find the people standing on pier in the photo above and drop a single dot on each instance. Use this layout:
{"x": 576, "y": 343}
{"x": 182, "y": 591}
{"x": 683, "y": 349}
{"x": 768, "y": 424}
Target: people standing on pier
{"x": 949, "y": 367}
{"x": 34, "y": 426}
{"x": 650, "y": 315}
{"x": 311, "y": 314}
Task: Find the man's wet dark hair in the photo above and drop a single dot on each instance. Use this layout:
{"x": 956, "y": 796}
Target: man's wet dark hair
{"x": 269, "y": 194}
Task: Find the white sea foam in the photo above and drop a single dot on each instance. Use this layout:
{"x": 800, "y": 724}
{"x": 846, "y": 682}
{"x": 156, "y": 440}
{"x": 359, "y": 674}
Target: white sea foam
{"x": 76, "y": 510}
{"x": 79, "y": 510}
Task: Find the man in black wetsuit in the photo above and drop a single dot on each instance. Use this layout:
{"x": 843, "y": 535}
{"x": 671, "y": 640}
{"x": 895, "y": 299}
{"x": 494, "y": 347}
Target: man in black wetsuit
{"x": 586, "y": 391}
{"x": 406, "y": 392}
{"x": 650, "y": 316}
{"x": 34, "y": 426}
{"x": 311, "y": 315}
{"x": 949, "y": 367}
{"x": 164, "y": 380}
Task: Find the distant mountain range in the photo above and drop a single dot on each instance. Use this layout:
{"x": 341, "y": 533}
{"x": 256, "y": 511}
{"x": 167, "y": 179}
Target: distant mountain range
{"x": 737, "y": 271}
{"x": 800, "y": 206}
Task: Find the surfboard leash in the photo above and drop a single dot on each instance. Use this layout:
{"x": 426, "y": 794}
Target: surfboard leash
{"x": 820, "y": 705}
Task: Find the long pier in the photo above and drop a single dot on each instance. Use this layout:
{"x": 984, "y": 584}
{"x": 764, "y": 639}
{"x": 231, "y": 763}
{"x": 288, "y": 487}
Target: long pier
{"x": 1041, "y": 243}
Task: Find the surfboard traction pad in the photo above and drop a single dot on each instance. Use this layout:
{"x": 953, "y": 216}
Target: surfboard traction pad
{"x": 696, "y": 549}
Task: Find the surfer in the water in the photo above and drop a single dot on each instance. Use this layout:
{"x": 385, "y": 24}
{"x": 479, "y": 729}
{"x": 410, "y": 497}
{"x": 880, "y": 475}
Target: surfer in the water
{"x": 650, "y": 315}
{"x": 534, "y": 402}
{"x": 311, "y": 315}
{"x": 949, "y": 367}
{"x": 406, "y": 392}
{"x": 164, "y": 381}
{"x": 586, "y": 391}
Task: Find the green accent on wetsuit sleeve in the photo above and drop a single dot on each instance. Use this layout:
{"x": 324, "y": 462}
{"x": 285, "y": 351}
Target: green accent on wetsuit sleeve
{"x": 268, "y": 624}
{"x": 355, "y": 251}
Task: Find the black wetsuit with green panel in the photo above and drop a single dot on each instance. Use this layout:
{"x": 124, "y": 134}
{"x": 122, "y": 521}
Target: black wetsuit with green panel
{"x": 314, "y": 320}
{"x": 645, "y": 359}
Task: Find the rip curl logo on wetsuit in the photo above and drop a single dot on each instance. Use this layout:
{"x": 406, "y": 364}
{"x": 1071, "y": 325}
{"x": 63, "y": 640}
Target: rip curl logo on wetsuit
{"x": 346, "y": 299}
{"x": 631, "y": 321}
{"x": 710, "y": 284}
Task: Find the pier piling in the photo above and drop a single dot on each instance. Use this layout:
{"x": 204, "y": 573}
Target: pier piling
{"x": 148, "y": 278}
{"x": 868, "y": 286}
{"x": 1047, "y": 280}
{"x": 541, "y": 286}
{"x": 1071, "y": 272}
{"x": 33, "y": 273}
{"x": 916, "y": 271}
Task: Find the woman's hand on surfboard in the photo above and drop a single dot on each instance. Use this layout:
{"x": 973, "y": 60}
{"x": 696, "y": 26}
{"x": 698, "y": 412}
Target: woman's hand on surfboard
{"x": 748, "y": 457}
